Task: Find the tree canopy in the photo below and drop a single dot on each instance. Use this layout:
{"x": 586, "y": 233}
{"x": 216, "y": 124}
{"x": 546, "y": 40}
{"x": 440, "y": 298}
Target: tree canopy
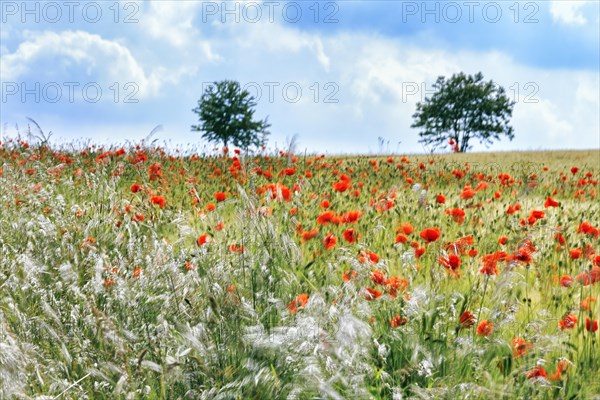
{"x": 462, "y": 108}
{"x": 225, "y": 113}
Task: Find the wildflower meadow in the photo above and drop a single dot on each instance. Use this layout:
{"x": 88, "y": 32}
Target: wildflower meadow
{"x": 146, "y": 273}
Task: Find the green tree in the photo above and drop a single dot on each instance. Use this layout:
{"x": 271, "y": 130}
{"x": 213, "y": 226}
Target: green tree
{"x": 225, "y": 113}
{"x": 462, "y": 108}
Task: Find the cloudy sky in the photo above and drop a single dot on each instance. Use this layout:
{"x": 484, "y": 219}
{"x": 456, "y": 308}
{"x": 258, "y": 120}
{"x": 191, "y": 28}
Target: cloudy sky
{"x": 339, "y": 74}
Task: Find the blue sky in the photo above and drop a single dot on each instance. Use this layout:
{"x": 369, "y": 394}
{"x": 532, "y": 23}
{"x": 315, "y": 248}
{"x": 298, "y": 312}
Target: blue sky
{"x": 340, "y": 74}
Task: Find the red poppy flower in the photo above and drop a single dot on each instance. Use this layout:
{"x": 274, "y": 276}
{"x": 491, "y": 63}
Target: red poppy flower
{"x": 341, "y": 186}
{"x": 378, "y": 277}
{"x": 575, "y": 253}
{"x": 566, "y": 281}
{"x": 591, "y": 325}
{"x": 407, "y": 228}
{"x": 467, "y": 319}
{"x": 567, "y": 322}
{"x": 136, "y": 187}
{"x": 450, "y": 262}
{"x": 349, "y": 275}
{"x": 365, "y": 255}
{"x": 394, "y": 283}
{"x": 350, "y": 235}
{"x": 550, "y": 202}
{"x": 203, "y": 239}
{"x": 220, "y": 196}
{"x": 440, "y": 199}
{"x": 330, "y": 241}
{"x": 585, "y": 303}
{"x": 371, "y": 294}
{"x": 306, "y": 236}
{"x": 430, "y": 234}
{"x": 485, "y": 328}
{"x": 398, "y": 321}
{"x": 158, "y": 200}
{"x": 234, "y": 248}
{"x": 419, "y": 251}
{"x": 520, "y": 346}
{"x": 457, "y": 214}
{"x": 561, "y": 368}
{"x": 537, "y": 372}
{"x": 298, "y": 303}
{"x": 351, "y": 216}
{"x": 400, "y": 238}
{"x": 467, "y": 192}
{"x": 326, "y": 217}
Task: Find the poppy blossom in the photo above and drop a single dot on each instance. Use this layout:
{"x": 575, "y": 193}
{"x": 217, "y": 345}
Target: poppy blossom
{"x": 467, "y": 319}
{"x": 490, "y": 261}
{"x": 371, "y": 294}
{"x": 351, "y": 216}
{"x": 307, "y": 235}
{"x": 203, "y": 239}
{"x": 566, "y": 281}
{"x": 330, "y": 241}
{"x": 234, "y": 248}
{"x": 575, "y": 253}
{"x": 457, "y": 214}
{"x": 350, "y": 235}
{"x": 520, "y": 346}
{"x": 326, "y": 217}
{"x": 567, "y": 322}
{"x": 550, "y": 202}
{"x": 561, "y": 368}
{"x": 451, "y": 262}
{"x": 341, "y": 186}
{"x": 430, "y": 234}
{"x": 485, "y": 328}
{"x": 591, "y": 325}
{"x": 467, "y": 192}
{"x": 401, "y": 238}
{"x": 349, "y": 275}
{"x": 394, "y": 283}
{"x": 220, "y": 196}
{"x": 365, "y": 255}
{"x": 377, "y": 277}
{"x": 158, "y": 200}
{"x": 407, "y": 228}
{"x": 298, "y": 303}
{"x": 536, "y": 372}
{"x": 440, "y": 199}
{"x": 398, "y": 321}
{"x": 585, "y": 303}
{"x": 136, "y": 187}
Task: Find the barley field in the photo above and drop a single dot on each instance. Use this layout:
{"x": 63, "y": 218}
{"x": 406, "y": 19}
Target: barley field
{"x": 142, "y": 273}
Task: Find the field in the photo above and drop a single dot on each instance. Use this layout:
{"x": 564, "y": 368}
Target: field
{"x": 140, "y": 273}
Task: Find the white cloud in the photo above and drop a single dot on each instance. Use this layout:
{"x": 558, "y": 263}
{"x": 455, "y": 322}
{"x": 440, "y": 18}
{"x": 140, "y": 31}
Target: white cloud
{"x": 104, "y": 61}
{"x": 568, "y": 12}
{"x": 174, "y": 24}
